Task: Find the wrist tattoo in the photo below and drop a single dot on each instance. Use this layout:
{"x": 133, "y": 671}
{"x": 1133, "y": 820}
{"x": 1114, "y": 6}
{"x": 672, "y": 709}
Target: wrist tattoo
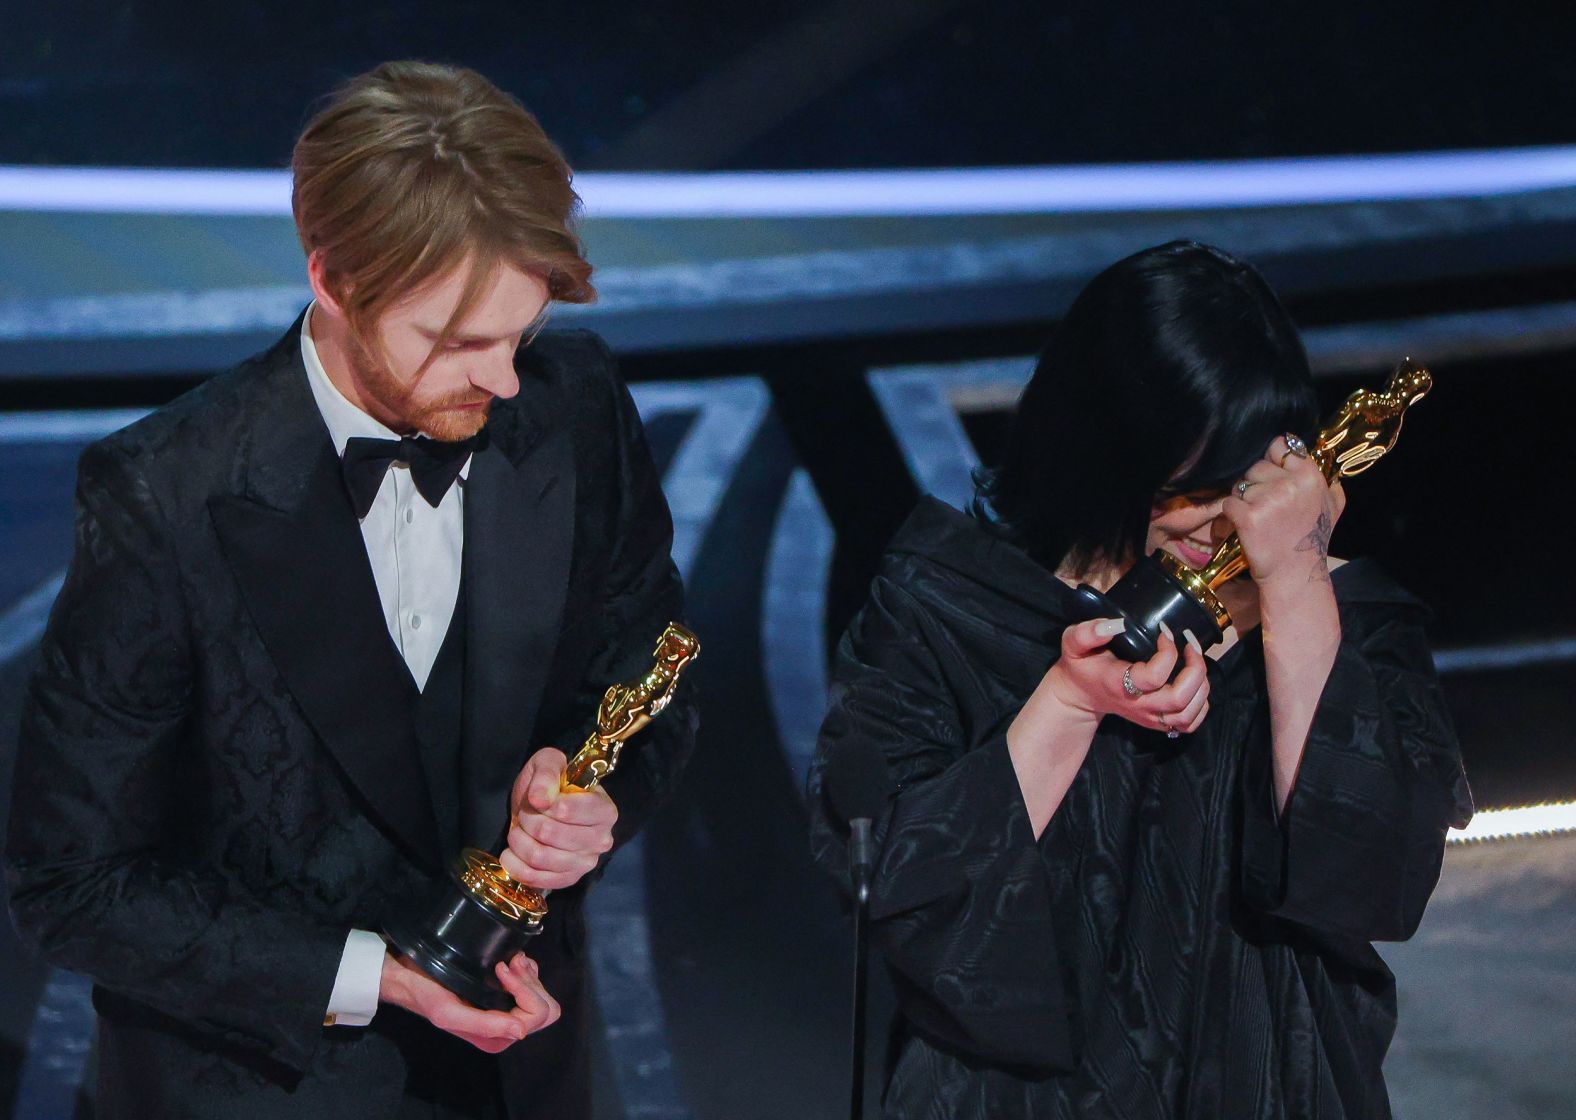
{"x": 1318, "y": 542}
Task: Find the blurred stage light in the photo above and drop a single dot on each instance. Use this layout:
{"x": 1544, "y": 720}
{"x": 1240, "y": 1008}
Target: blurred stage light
{"x": 1530, "y": 820}
{"x": 804, "y": 194}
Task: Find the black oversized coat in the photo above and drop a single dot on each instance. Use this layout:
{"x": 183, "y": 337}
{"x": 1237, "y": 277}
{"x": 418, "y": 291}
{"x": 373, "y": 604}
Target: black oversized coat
{"x": 1167, "y": 948}
{"x": 217, "y": 776}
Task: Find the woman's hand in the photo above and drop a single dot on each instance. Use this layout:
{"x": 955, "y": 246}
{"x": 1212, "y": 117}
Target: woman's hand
{"x": 1284, "y": 511}
{"x": 1090, "y": 679}
{"x": 1051, "y": 735}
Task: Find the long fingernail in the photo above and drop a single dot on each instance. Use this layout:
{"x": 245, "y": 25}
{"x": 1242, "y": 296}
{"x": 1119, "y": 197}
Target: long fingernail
{"x": 1166, "y": 630}
{"x": 1187, "y": 636}
{"x": 1110, "y": 627}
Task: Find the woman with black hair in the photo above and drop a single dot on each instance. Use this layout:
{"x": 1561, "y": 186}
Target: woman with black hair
{"x": 1145, "y": 891}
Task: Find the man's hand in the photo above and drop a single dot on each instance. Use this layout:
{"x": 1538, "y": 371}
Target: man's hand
{"x": 556, "y": 836}
{"x": 406, "y": 986}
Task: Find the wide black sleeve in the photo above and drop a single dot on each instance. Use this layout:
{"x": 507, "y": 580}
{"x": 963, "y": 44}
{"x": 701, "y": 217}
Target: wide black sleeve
{"x": 641, "y": 593}
{"x": 1357, "y": 851}
{"x": 97, "y": 877}
{"x": 960, "y": 904}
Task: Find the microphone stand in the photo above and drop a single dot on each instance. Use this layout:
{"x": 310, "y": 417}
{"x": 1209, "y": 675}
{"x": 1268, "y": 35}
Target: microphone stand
{"x": 861, "y": 859}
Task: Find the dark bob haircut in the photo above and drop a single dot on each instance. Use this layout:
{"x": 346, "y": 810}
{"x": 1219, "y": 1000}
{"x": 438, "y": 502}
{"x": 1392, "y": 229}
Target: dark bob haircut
{"x": 1171, "y": 373}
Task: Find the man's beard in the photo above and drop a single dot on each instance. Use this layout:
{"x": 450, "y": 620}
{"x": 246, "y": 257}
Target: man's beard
{"x": 442, "y": 421}
{"x": 439, "y": 419}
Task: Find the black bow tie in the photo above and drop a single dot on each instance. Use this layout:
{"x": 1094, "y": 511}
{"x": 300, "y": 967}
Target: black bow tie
{"x": 433, "y": 466}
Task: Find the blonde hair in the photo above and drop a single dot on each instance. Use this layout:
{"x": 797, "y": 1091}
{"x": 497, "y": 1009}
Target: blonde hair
{"x": 411, "y": 168}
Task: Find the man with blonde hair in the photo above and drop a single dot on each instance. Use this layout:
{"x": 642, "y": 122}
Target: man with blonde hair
{"x": 320, "y": 611}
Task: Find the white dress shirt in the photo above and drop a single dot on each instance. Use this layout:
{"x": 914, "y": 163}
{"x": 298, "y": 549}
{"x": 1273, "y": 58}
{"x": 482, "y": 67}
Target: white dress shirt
{"x": 415, "y": 552}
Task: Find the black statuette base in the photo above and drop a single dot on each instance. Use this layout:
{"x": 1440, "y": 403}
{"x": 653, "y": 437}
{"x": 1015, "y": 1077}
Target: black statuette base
{"x": 456, "y": 940}
{"x": 1146, "y": 596}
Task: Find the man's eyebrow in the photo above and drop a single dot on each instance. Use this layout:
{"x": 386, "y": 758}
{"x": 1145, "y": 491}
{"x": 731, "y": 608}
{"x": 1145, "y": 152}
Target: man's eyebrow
{"x": 434, "y": 334}
{"x": 464, "y": 338}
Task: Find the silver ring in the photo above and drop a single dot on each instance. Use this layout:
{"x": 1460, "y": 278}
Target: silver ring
{"x": 1127, "y": 683}
{"x": 1295, "y": 446}
{"x": 1242, "y": 488}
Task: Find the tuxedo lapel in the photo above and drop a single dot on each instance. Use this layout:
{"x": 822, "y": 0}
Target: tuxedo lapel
{"x": 292, "y": 540}
{"x": 519, "y": 536}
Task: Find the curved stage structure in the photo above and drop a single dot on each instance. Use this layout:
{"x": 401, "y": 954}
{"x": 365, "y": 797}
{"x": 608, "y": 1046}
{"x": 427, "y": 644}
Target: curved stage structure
{"x": 805, "y": 371}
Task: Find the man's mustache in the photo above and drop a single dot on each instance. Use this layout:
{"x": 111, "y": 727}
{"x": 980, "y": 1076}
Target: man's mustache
{"x": 459, "y": 400}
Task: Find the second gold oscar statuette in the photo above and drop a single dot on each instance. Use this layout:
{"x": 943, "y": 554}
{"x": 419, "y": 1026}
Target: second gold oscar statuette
{"x": 1160, "y": 588}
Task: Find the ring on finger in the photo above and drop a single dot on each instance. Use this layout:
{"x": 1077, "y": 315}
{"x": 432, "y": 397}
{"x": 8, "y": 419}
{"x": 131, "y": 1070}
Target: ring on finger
{"x": 1294, "y": 446}
{"x": 1128, "y": 686}
{"x": 1242, "y": 488}
{"x": 1171, "y": 732}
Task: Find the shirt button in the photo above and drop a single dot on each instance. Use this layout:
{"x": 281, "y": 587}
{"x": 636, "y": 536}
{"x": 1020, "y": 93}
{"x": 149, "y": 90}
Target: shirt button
{"x": 410, "y": 515}
{"x": 415, "y": 622}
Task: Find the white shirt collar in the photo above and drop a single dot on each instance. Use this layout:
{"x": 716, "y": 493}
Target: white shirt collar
{"x": 345, "y": 421}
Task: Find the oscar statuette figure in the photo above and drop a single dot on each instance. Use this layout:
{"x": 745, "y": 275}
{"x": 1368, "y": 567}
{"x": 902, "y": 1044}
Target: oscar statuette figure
{"x": 1161, "y": 588}
{"x": 482, "y": 915}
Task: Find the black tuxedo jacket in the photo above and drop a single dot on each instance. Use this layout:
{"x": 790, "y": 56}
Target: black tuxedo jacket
{"x": 216, "y": 780}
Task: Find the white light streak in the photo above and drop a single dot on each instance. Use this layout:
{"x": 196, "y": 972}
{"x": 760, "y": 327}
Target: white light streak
{"x": 1530, "y": 820}
{"x": 903, "y": 193}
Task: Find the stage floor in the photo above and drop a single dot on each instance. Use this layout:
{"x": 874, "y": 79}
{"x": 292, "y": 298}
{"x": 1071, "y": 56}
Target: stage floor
{"x": 1487, "y": 988}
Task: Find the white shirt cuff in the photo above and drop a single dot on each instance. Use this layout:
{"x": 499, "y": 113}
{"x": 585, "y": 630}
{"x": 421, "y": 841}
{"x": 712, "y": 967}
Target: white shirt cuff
{"x": 354, "y": 999}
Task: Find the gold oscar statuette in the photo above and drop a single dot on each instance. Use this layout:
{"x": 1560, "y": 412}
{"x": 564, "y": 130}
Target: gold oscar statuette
{"x": 485, "y": 915}
{"x": 1161, "y": 588}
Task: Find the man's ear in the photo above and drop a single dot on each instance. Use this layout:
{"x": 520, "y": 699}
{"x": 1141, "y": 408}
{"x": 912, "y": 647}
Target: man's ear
{"x": 317, "y": 276}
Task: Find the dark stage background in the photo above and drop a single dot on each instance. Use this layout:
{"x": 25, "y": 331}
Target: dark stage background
{"x": 805, "y": 377}
{"x": 783, "y": 84}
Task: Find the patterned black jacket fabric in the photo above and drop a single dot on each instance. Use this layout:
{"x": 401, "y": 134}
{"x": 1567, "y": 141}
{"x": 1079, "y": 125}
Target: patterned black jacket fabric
{"x": 1167, "y": 948}
{"x": 216, "y": 779}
